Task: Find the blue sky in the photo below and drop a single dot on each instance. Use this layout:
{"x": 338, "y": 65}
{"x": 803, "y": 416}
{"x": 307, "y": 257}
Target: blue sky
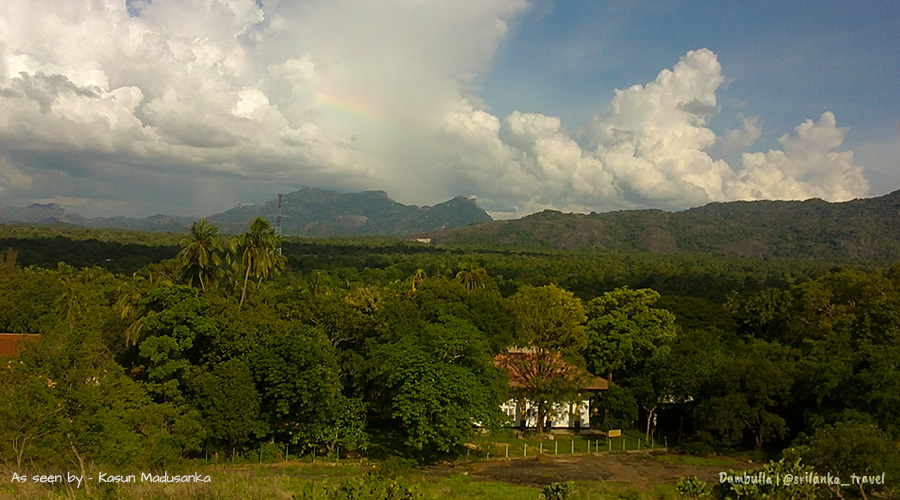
{"x": 190, "y": 106}
{"x": 786, "y": 61}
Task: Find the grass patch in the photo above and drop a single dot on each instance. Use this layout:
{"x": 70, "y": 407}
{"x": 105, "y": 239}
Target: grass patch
{"x": 293, "y": 480}
{"x": 459, "y": 486}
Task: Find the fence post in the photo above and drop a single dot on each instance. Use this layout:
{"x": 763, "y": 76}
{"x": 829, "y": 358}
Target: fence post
{"x": 507, "y": 450}
{"x": 623, "y": 442}
{"x": 556, "y": 447}
{"x": 541, "y": 451}
{"x": 526, "y": 450}
{"x": 589, "y": 446}
{"x": 573, "y": 446}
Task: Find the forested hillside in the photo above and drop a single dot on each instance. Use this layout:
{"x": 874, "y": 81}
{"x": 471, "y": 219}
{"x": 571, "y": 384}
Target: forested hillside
{"x": 375, "y": 348}
{"x": 813, "y": 229}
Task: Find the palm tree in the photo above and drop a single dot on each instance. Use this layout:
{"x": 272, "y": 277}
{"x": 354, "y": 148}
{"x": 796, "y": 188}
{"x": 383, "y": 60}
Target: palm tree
{"x": 256, "y": 252}
{"x": 199, "y": 256}
{"x": 417, "y": 280}
{"x": 71, "y": 304}
{"x": 132, "y": 306}
{"x": 471, "y": 275}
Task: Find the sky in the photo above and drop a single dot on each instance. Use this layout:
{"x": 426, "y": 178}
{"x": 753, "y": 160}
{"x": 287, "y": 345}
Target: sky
{"x": 188, "y": 107}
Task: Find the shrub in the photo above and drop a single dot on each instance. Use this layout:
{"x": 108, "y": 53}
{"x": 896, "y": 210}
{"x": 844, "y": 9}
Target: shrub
{"x": 692, "y": 487}
{"x": 558, "y": 491}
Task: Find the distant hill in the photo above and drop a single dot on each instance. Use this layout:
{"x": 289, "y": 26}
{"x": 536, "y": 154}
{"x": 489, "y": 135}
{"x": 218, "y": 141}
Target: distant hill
{"x": 317, "y": 212}
{"x": 862, "y": 228}
{"x": 52, "y": 213}
{"x": 40, "y": 214}
{"x": 308, "y": 212}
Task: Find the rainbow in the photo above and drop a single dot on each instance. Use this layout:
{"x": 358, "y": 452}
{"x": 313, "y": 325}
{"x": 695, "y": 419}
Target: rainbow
{"x": 351, "y": 107}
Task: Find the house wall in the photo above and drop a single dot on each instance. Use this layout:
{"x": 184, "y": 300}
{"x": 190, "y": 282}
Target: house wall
{"x": 563, "y": 414}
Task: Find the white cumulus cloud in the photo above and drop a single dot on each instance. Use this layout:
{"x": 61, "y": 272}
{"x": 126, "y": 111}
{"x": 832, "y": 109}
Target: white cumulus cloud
{"x": 653, "y": 147}
{"x": 807, "y": 167}
{"x": 354, "y": 94}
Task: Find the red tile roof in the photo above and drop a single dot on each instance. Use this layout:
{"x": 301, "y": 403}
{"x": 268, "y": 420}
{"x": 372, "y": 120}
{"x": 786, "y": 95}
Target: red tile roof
{"x": 523, "y": 364}
{"x": 11, "y": 343}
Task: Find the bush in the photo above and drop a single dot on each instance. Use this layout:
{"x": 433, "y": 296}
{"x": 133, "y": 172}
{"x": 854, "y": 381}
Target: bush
{"x": 558, "y": 491}
{"x": 372, "y": 487}
{"x": 394, "y": 467}
{"x": 692, "y": 487}
{"x": 767, "y": 488}
{"x": 366, "y": 487}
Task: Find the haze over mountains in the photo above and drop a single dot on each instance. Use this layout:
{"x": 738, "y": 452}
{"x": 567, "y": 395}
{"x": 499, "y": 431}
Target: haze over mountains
{"x": 307, "y": 212}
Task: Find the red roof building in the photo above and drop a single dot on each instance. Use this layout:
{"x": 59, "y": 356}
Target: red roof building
{"x": 525, "y": 368}
{"x": 523, "y": 364}
{"x": 11, "y": 343}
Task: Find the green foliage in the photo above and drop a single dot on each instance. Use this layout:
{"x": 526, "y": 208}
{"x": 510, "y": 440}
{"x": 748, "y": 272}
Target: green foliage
{"x": 115, "y": 251}
{"x": 366, "y": 487}
{"x": 850, "y": 448}
{"x": 65, "y": 404}
{"x": 781, "y": 480}
{"x": 624, "y": 330}
{"x": 228, "y": 401}
{"x": 200, "y": 256}
{"x": 439, "y": 388}
{"x": 617, "y": 408}
{"x": 256, "y": 252}
{"x": 550, "y": 323}
{"x": 348, "y": 349}
{"x": 549, "y": 318}
{"x": 177, "y": 321}
{"x": 27, "y": 300}
{"x": 297, "y": 377}
{"x": 373, "y": 487}
{"x": 558, "y": 491}
{"x": 692, "y": 488}
{"x": 471, "y": 275}
{"x": 750, "y": 394}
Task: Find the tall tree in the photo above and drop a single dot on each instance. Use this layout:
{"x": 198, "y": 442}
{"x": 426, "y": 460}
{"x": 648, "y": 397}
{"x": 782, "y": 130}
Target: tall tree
{"x": 751, "y": 392}
{"x": 550, "y": 323}
{"x": 199, "y": 258}
{"x": 624, "y": 330}
{"x": 438, "y": 380}
{"x": 256, "y": 252}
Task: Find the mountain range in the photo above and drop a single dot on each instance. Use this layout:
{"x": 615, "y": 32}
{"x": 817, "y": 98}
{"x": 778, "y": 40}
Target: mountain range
{"x": 307, "y": 212}
{"x": 859, "y": 229}
{"x": 862, "y": 228}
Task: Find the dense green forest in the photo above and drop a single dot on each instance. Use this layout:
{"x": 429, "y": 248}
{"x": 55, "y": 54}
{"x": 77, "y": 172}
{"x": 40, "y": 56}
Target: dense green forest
{"x": 156, "y": 348}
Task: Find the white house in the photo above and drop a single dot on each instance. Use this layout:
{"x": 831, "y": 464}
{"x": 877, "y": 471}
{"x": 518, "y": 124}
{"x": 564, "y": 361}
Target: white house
{"x": 526, "y": 368}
